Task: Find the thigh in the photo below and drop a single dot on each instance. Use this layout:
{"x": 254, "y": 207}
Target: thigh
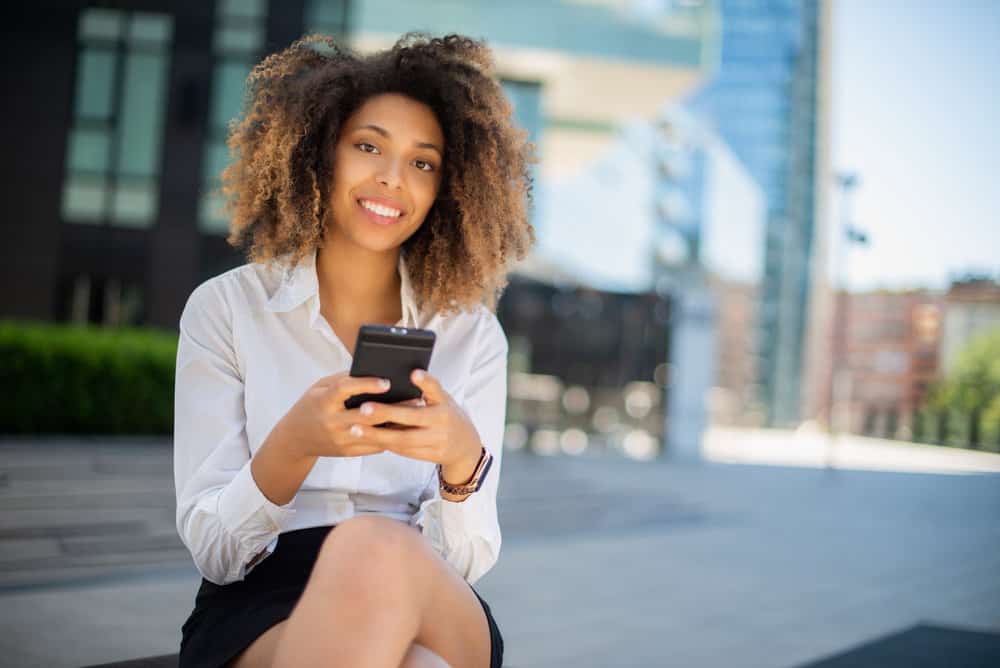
{"x": 260, "y": 653}
{"x": 452, "y": 622}
{"x": 421, "y": 657}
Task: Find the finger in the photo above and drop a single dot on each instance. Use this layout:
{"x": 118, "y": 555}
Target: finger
{"x": 348, "y": 386}
{"x": 428, "y": 384}
{"x": 418, "y": 402}
{"x": 372, "y": 413}
{"x": 326, "y": 381}
{"x": 357, "y": 442}
{"x": 398, "y": 440}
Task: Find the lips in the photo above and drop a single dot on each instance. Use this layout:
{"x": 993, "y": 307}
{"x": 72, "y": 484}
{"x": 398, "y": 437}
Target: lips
{"x": 381, "y": 211}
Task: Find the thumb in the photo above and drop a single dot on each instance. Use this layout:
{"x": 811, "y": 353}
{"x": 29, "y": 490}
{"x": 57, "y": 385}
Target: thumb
{"x": 428, "y": 384}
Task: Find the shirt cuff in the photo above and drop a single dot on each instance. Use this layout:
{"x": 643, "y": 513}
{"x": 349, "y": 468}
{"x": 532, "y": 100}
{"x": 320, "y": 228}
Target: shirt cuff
{"x": 269, "y": 550}
{"x": 249, "y": 515}
{"x": 462, "y": 518}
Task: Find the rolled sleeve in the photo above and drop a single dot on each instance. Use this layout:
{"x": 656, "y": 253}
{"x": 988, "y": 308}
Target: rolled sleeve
{"x": 467, "y": 533}
{"x": 222, "y": 516}
{"x": 245, "y": 511}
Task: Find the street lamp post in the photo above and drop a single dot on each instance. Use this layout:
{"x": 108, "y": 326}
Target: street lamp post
{"x": 838, "y": 405}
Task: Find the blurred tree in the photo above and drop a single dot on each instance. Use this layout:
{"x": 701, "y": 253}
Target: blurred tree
{"x": 971, "y": 393}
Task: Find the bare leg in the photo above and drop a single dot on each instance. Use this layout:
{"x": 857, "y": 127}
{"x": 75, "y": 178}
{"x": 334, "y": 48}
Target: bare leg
{"x": 421, "y": 657}
{"x": 377, "y": 589}
{"x": 261, "y": 653}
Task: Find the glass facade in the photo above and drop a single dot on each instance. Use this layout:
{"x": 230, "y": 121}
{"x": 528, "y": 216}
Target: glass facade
{"x": 237, "y": 45}
{"x": 327, "y": 17}
{"x": 114, "y": 146}
{"x": 763, "y": 104}
{"x": 526, "y": 103}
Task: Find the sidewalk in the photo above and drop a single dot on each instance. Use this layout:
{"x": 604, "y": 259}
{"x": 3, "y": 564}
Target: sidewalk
{"x": 606, "y": 562}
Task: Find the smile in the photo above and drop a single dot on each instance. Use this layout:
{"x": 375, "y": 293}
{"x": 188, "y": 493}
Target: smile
{"x": 380, "y": 210}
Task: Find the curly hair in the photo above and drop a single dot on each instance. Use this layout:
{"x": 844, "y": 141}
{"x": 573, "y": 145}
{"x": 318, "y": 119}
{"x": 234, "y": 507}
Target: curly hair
{"x": 296, "y": 102}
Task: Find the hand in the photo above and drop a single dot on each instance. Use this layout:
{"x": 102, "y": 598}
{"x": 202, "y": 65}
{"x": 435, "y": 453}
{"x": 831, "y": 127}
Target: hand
{"x": 319, "y": 425}
{"x": 438, "y": 432}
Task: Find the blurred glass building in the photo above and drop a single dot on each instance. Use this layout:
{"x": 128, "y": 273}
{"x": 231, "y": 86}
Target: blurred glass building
{"x": 119, "y": 129}
{"x": 119, "y": 124}
{"x": 765, "y": 103}
{"x": 588, "y": 368}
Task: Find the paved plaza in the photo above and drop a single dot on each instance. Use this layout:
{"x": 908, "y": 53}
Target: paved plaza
{"x": 606, "y": 562}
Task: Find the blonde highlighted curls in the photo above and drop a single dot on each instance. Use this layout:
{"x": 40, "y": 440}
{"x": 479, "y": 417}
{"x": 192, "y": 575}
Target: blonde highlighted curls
{"x": 297, "y": 100}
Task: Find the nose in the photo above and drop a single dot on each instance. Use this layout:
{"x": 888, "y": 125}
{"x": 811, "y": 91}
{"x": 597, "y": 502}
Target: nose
{"x": 390, "y": 174}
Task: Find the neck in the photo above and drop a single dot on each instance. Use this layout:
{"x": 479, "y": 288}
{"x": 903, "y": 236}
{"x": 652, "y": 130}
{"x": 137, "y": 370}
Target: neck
{"x": 358, "y": 285}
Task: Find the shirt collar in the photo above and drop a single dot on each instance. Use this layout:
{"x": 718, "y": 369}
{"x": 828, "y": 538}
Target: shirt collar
{"x": 300, "y": 283}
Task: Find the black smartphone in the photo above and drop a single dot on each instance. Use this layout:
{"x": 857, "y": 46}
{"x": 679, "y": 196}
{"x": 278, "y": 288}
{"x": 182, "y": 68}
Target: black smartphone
{"x": 393, "y": 353}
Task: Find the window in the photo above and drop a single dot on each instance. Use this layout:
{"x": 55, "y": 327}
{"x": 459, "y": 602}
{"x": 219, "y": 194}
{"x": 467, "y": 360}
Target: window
{"x": 237, "y": 45}
{"x": 115, "y": 140}
{"x": 526, "y": 99}
{"x": 327, "y": 17}
{"x": 104, "y": 300}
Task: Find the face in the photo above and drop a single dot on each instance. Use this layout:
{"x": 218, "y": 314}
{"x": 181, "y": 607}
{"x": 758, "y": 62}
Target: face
{"x": 387, "y": 171}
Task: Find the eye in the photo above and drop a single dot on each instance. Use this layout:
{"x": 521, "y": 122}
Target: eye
{"x": 366, "y": 147}
{"x": 423, "y": 165}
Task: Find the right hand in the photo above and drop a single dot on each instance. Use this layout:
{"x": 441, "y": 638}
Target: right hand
{"x": 319, "y": 425}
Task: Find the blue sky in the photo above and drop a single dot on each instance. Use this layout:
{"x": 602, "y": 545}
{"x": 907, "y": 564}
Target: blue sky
{"x": 916, "y": 112}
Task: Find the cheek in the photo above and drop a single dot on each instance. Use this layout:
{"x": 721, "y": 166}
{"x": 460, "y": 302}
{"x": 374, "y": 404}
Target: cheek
{"x": 346, "y": 172}
{"x": 428, "y": 192}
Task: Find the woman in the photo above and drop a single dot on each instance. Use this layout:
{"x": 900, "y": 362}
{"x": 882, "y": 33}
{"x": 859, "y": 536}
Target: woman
{"x": 388, "y": 189}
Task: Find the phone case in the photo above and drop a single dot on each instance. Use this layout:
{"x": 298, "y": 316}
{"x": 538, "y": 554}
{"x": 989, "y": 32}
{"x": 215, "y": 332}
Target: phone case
{"x": 393, "y": 353}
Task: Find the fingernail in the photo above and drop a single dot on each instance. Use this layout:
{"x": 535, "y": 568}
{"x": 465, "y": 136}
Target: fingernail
{"x": 384, "y": 382}
{"x": 421, "y": 402}
{"x": 356, "y": 430}
{"x": 366, "y": 409}
{"x": 418, "y": 374}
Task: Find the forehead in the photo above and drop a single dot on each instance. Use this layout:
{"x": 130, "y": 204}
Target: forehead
{"x": 403, "y": 117}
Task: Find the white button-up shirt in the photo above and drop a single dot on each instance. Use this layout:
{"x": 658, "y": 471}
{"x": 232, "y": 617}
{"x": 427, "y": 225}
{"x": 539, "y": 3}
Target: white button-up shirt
{"x": 252, "y": 341}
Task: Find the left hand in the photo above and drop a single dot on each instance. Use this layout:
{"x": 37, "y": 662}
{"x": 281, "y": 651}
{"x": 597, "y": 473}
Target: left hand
{"x": 438, "y": 432}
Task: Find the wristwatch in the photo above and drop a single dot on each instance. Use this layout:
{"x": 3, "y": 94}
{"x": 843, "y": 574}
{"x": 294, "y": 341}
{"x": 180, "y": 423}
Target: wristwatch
{"x": 472, "y": 484}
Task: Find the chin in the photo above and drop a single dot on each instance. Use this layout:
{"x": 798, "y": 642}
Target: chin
{"x": 375, "y": 243}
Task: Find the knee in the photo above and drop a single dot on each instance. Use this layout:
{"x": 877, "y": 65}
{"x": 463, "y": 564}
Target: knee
{"x": 370, "y": 546}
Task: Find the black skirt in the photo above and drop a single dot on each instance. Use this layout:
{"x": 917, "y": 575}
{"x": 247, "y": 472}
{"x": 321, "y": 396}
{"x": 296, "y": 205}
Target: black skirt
{"x": 228, "y": 618}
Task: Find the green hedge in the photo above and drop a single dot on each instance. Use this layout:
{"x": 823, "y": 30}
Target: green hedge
{"x": 62, "y": 379}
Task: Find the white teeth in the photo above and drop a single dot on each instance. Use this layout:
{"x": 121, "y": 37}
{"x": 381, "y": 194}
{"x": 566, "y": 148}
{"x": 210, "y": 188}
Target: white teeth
{"x": 381, "y": 210}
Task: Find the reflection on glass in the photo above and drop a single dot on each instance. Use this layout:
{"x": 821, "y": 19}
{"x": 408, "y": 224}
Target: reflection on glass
{"x": 326, "y": 16}
{"x": 101, "y": 24}
{"x": 216, "y": 159}
{"x": 142, "y": 114}
{"x": 88, "y": 150}
{"x": 84, "y": 199}
{"x": 249, "y": 9}
{"x": 239, "y": 38}
{"x": 134, "y": 204}
{"x": 151, "y": 28}
{"x": 94, "y": 82}
{"x": 211, "y": 213}
{"x": 227, "y": 93}
{"x": 114, "y": 146}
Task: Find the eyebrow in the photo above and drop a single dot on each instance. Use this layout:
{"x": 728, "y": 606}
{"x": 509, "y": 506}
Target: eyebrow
{"x": 385, "y": 133}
